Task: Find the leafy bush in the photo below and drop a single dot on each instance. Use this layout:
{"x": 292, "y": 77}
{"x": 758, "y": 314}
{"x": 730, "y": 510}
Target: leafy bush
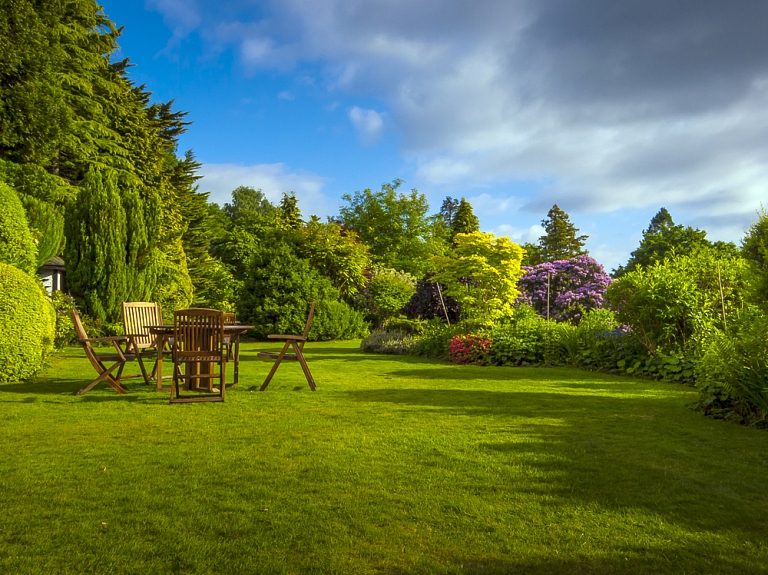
{"x": 17, "y": 245}
{"x": 526, "y": 339}
{"x": 673, "y": 302}
{"x": 436, "y": 337}
{"x": 492, "y": 266}
{"x": 28, "y": 321}
{"x": 732, "y": 374}
{"x": 426, "y": 303}
{"x": 469, "y": 348}
{"x": 385, "y": 341}
{"x": 387, "y": 292}
{"x": 278, "y": 291}
{"x": 337, "y": 320}
{"x": 576, "y": 286}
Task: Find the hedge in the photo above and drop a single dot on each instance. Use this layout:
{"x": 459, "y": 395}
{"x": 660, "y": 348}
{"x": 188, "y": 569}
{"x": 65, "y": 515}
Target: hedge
{"x": 17, "y": 246}
{"x": 28, "y": 321}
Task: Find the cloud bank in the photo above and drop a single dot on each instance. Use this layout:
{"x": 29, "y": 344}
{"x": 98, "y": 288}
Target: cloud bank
{"x": 272, "y": 179}
{"x": 613, "y": 105}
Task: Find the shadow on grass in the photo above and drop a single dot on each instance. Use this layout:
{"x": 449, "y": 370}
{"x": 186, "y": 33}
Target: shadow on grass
{"x": 633, "y": 560}
{"x": 587, "y": 449}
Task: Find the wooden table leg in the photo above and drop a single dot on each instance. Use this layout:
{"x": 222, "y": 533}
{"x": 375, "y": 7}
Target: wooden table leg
{"x": 159, "y": 344}
{"x": 236, "y": 377}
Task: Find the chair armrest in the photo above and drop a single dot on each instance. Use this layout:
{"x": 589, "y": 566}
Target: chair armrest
{"x": 108, "y": 338}
{"x": 293, "y": 337}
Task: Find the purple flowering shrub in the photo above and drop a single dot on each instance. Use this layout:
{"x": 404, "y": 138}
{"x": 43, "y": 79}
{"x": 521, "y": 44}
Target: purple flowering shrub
{"x": 576, "y": 286}
{"x": 469, "y": 348}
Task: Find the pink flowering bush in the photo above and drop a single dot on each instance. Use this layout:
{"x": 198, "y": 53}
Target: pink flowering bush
{"x": 575, "y": 287}
{"x": 469, "y": 348}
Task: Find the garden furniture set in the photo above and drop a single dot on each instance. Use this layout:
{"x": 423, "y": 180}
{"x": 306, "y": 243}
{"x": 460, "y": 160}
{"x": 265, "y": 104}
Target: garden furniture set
{"x": 200, "y": 342}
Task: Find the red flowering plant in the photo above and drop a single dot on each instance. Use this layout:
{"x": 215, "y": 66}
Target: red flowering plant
{"x": 469, "y": 348}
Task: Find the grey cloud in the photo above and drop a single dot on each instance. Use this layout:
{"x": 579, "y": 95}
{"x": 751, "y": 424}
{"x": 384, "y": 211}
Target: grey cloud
{"x": 614, "y": 104}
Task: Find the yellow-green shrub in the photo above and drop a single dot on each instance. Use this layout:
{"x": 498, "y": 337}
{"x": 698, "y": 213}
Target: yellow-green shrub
{"x": 28, "y": 324}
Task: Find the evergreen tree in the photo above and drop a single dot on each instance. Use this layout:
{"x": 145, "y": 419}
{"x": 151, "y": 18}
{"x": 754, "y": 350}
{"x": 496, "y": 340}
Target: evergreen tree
{"x": 288, "y": 214}
{"x": 560, "y": 241}
{"x": 448, "y": 210}
{"x": 464, "y": 221}
{"x": 662, "y": 239}
{"x": 96, "y": 246}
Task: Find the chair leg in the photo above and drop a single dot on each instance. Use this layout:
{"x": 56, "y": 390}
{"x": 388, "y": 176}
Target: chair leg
{"x": 304, "y": 366}
{"x": 106, "y": 375}
{"x": 142, "y": 368}
{"x": 275, "y": 366}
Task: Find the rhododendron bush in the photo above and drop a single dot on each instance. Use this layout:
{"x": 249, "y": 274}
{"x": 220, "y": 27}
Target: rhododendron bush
{"x": 576, "y": 286}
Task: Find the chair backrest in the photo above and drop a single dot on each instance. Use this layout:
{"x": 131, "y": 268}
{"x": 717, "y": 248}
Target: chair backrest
{"x": 309, "y": 320}
{"x": 198, "y": 331}
{"x": 83, "y": 337}
{"x": 230, "y": 318}
{"x": 137, "y": 315}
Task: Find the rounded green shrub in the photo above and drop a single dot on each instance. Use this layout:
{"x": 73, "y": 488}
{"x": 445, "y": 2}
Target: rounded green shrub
{"x": 29, "y": 324}
{"x": 17, "y": 246}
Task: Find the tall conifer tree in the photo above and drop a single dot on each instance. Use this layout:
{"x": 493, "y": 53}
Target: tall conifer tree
{"x": 560, "y": 241}
{"x": 464, "y": 220}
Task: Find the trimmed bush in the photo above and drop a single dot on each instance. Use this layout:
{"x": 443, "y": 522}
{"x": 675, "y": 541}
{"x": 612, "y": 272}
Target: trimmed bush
{"x": 17, "y": 245}
{"x": 28, "y": 321}
{"x": 337, "y": 320}
{"x": 383, "y": 341}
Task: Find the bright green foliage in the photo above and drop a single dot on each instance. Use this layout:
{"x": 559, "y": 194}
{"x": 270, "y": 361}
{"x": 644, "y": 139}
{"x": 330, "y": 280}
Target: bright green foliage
{"x": 336, "y": 253}
{"x": 108, "y": 254}
{"x": 336, "y": 320}
{"x": 532, "y": 255}
{"x": 95, "y": 251}
{"x": 396, "y": 227}
{"x": 28, "y": 324}
{"x": 733, "y": 370}
{"x": 525, "y": 338}
{"x": 17, "y": 245}
{"x": 250, "y": 209}
{"x": 755, "y": 248}
{"x": 663, "y": 238}
{"x": 33, "y": 112}
{"x": 47, "y": 226}
{"x": 278, "y": 290}
{"x": 389, "y": 291}
{"x": 288, "y": 214}
{"x": 481, "y": 273}
{"x": 44, "y": 197}
{"x": 464, "y": 220}
{"x": 560, "y": 241}
{"x": 668, "y": 303}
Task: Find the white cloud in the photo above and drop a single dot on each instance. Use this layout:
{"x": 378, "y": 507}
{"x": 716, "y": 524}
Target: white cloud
{"x": 519, "y": 235}
{"x": 368, "y": 123}
{"x": 286, "y": 95}
{"x": 272, "y": 179}
{"x": 646, "y": 104}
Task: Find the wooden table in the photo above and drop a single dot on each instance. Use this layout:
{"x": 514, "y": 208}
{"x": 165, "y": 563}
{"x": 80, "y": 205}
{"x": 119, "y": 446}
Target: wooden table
{"x": 165, "y": 331}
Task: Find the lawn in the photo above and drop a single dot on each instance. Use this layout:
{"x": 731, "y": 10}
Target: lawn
{"x": 394, "y": 465}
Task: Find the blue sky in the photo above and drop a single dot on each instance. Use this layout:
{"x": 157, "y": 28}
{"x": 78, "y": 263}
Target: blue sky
{"x": 610, "y": 110}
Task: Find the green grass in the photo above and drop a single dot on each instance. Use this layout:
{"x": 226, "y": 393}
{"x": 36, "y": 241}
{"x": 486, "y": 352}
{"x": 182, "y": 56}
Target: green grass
{"x": 393, "y": 466}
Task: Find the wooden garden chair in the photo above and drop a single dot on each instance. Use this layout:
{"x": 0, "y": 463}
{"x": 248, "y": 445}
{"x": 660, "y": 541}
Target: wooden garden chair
{"x": 198, "y": 348}
{"x": 137, "y": 315}
{"x": 297, "y": 342}
{"x": 112, "y": 374}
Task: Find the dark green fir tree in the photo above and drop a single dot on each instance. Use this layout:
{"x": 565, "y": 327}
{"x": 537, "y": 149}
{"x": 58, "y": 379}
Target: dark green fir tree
{"x": 464, "y": 220}
{"x": 560, "y": 242}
